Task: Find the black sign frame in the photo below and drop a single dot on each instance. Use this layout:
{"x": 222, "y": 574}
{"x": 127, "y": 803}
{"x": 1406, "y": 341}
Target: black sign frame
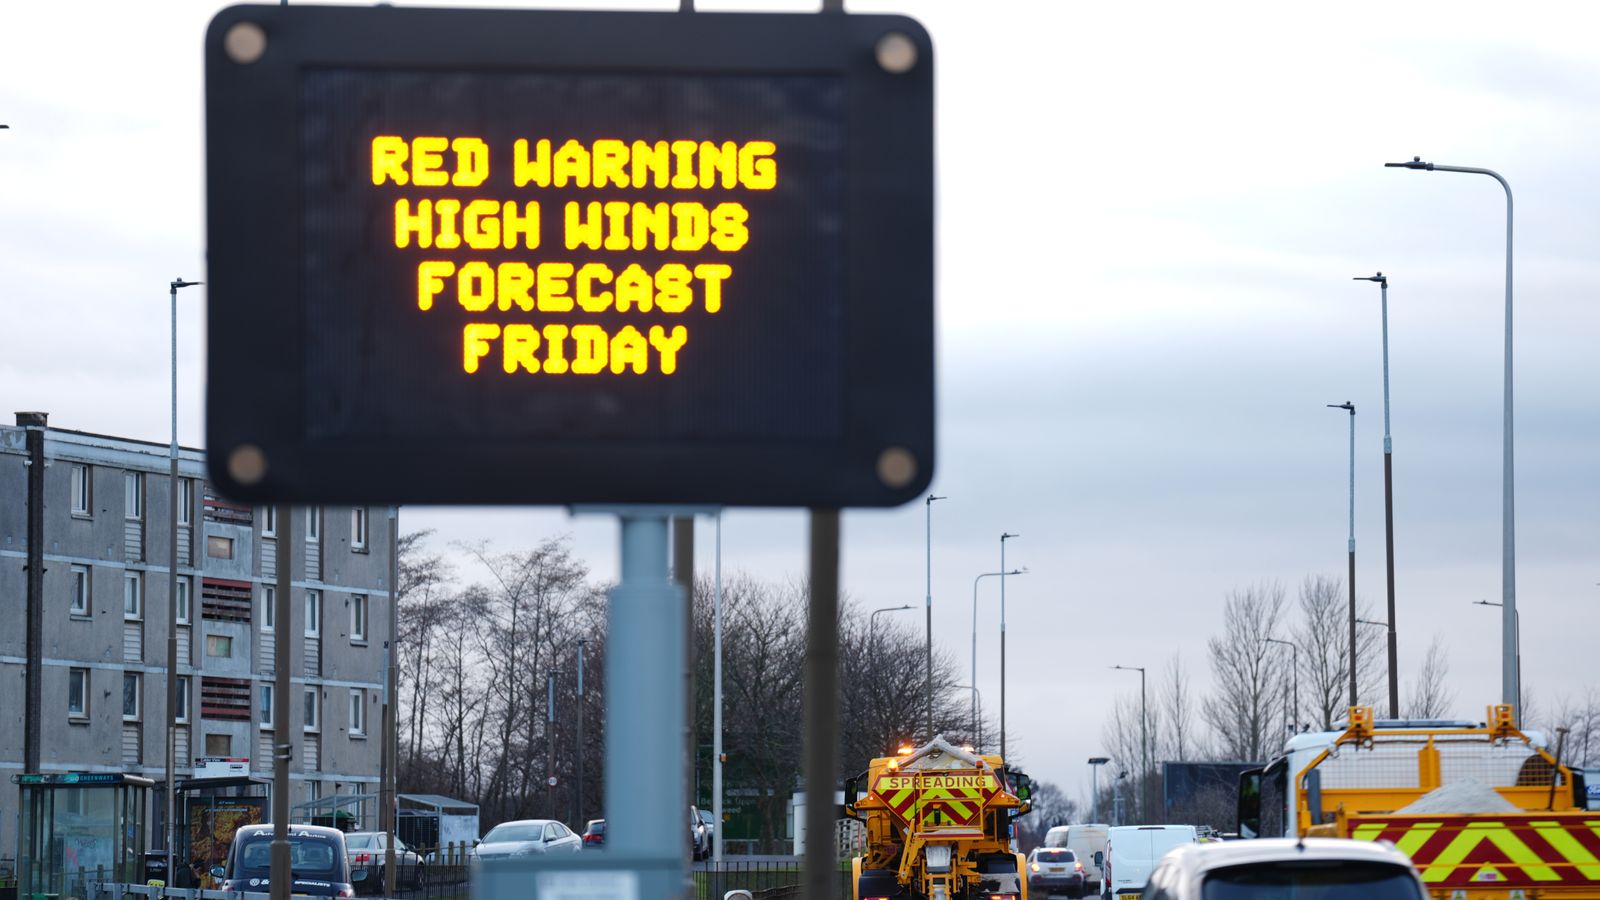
{"x": 256, "y": 428}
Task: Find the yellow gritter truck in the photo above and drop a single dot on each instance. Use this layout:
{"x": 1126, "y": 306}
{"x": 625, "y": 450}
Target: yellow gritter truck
{"x": 938, "y": 826}
{"x": 1483, "y": 810}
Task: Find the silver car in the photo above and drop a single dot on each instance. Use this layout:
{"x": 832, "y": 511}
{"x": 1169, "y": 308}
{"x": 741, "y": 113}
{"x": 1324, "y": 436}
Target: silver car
{"x": 1271, "y": 868}
{"x": 527, "y": 837}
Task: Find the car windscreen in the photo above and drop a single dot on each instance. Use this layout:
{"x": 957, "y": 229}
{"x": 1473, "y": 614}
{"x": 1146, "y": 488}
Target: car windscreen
{"x": 1056, "y": 856}
{"x": 597, "y": 828}
{"x": 311, "y": 857}
{"x": 1320, "y": 879}
{"x": 512, "y": 831}
{"x": 361, "y": 841}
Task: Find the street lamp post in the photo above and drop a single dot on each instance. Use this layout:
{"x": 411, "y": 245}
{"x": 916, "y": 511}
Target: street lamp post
{"x": 1388, "y": 503}
{"x": 1144, "y": 743}
{"x": 1095, "y": 762}
{"x": 1003, "y": 538}
{"x": 716, "y": 700}
{"x": 1294, "y": 655}
{"x": 1351, "y": 407}
{"x": 577, "y": 793}
{"x": 872, "y": 622}
{"x": 1510, "y": 677}
{"x": 975, "y": 637}
{"x": 1517, "y": 633}
{"x": 172, "y": 597}
{"x": 929, "y": 650}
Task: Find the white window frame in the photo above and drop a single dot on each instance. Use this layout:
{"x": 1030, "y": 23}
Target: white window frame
{"x": 132, "y": 495}
{"x": 185, "y": 501}
{"x": 82, "y": 490}
{"x": 269, "y": 521}
{"x": 138, "y": 696}
{"x": 82, "y": 582}
{"x": 359, "y": 623}
{"x": 358, "y": 528}
{"x": 358, "y": 712}
{"x": 313, "y": 611}
{"x": 185, "y": 599}
{"x": 133, "y": 589}
{"x": 181, "y": 713}
{"x": 82, "y": 712}
{"x": 267, "y": 700}
{"x": 314, "y": 709}
{"x": 269, "y": 608}
{"x": 313, "y": 524}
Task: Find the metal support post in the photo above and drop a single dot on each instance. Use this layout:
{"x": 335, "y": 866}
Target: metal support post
{"x": 580, "y": 813}
{"x": 644, "y": 698}
{"x": 716, "y": 705}
{"x": 282, "y": 742}
{"x": 391, "y": 694}
{"x": 821, "y": 864}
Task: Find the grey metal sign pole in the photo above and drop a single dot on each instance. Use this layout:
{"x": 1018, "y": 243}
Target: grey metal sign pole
{"x": 282, "y": 743}
{"x": 645, "y": 805}
{"x": 821, "y": 864}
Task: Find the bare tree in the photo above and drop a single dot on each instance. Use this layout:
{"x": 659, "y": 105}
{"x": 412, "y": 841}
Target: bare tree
{"x": 1243, "y": 713}
{"x": 1323, "y": 639}
{"x": 1176, "y": 703}
{"x": 1431, "y": 696}
{"x": 1051, "y": 807}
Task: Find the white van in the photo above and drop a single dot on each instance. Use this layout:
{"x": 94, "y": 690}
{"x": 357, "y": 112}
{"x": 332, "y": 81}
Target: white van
{"x": 1132, "y": 852}
{"x": 1089, "y": 843}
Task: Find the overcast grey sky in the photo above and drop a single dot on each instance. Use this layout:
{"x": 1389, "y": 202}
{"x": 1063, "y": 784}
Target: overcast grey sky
{"x": 1149, "y": 218}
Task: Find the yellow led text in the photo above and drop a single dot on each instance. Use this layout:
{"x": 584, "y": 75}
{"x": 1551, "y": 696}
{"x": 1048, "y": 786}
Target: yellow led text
{"x": 682, "y": 165}
{"x": 468, "y": 168}
{"x": 447, "y": 224}
{"x": 560, "y": 286}
{"x": 581, "y": 349}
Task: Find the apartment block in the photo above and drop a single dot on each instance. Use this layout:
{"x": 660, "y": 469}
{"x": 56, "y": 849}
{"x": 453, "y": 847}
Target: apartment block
{"x": 104, "y": 610}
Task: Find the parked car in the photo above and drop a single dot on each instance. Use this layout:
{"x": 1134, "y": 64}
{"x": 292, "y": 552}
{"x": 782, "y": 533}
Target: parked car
{"x": 368, "y": 852}
{"x": 526, "y": 837}
{"x": 1054, "y": 871}
{"x": 318, "y": 863}
{"x": 1320, "y": 868}
{"x": 1132, "y": 852}
{"x": 594, "y": 833}
{"x": 699, "y": 836}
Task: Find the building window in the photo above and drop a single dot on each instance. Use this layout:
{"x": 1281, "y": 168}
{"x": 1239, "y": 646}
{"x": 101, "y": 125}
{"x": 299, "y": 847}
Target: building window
{"x": 358, "y": 528}
{"x": 313, "y": 614}
{"x": 311, "y": 709}
{"x": 130, "y": 697}
{"x": 80, "y": 489}
{"x": 185, "y": 500}
{"x": 358, "y": 618}
{"x": 358, "y": 712}
{"x": 132, "y": 596}
{"x": 78, "y": 694}
{"x": 313, "y": 524}
{"x": 133, "y": 494}
{"x": 181, "y": 714}
{"x": 219, "y": 547}
{"x": 266, "y": 706}
{"x": 184, "y": 586}
{"x": 219, "y": 645}
{"x": 80, "y": 590}
{"x": 219, "y": 745}
{"x": 269, "y": 521}
{"x": 269, "y": 608}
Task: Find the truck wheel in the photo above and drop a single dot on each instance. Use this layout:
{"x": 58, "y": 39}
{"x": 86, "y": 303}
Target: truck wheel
{"x": 879, "y": 883}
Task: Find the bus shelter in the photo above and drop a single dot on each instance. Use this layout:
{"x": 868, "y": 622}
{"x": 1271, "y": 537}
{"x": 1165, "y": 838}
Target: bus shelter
{"x": 210, "y": 810}
{"x": 78, "y": 827}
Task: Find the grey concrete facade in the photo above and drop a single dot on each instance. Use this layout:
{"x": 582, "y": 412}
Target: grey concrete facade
{"x": 118, "y": 548}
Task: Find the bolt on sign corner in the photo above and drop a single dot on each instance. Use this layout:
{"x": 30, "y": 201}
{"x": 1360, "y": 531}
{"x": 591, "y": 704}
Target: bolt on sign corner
{"x": 513, "y": 256}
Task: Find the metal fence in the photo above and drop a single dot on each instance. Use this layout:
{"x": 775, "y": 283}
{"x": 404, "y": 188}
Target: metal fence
{"x": 765, "y": 879}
